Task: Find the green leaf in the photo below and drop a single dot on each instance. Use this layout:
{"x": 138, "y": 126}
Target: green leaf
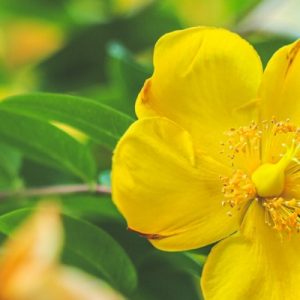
{"x": 81, "y": 63}
{"x": 87, "y": 247}
{"x": 184, "y": 261}
{"x": 159, "y": 280}
{"x": 44, "y": 9}
{"x": 102, "y": 123}
{"x": 126, "y": 76}
{"x": 11, "y": 220}
{"x": 10, "y": 163}
{"x": 46, "y": 144}
{"x": 92, "y": 207}
{"x": 97, "y": 250}
{"x": 36, "y": 174}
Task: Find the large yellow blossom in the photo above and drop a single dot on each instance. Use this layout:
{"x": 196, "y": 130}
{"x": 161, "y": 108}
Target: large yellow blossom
{"x": 214, "y": 156}
{"x": 29, "y": 268}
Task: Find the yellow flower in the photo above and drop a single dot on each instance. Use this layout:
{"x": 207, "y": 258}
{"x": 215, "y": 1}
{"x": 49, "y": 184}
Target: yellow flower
{"x": 29, "y": 268}
{"x": 28, "y": 41}
{"x": 214, "y": 156}
{"x": 130, "y": 6}
{"x": 195, "y": 12}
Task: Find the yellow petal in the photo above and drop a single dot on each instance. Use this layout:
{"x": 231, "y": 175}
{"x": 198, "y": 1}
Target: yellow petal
{"x": 31, "y": 254}
{"x": 202, "y": 79}
{"x": 164, "y": 191}
{"x": 255, "y": 264}
{"x": 280, "y": 89}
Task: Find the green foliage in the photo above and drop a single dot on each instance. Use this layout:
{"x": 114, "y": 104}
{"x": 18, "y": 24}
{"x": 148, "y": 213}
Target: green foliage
{"x": 126, "y": 76}
{"x": 10, "y": 163}
{"x": 89, "y": 245}
{"x": 45, "y": 143}
{"x": 100, "y": 122}
{"x": 99, "y": 69}
{"x": 91, "y": 207}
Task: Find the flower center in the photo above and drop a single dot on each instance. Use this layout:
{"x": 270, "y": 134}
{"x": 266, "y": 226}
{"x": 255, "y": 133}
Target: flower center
{"x": 266, "y": 168}
{"x": 269, "y": 178}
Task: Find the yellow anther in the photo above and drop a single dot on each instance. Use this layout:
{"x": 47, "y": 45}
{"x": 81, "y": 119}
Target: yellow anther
{"x": 237, "y": 189}
{"x": 282, "y": 215}
{"x": 257, "y": 149}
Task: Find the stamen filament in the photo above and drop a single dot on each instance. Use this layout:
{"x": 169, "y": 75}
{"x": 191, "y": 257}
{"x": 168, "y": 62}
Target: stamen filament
{"x": 267, "y": 174}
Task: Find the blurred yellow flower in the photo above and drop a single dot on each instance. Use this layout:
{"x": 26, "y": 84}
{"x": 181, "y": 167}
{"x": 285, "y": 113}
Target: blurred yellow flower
{"x": 23, "y": 43}
{"x": 197, "y": 12}
{"x": 29, "y": 268}
{"x": 224, "y": 13}
{"x": 129, "y": 6}
{"x": 215, "y": 156}
{"x": 28, "y": 41}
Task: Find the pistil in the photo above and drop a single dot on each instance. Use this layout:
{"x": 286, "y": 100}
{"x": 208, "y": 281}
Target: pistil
{"x": 262, "y": 171}
{"x": 269, "y": 179}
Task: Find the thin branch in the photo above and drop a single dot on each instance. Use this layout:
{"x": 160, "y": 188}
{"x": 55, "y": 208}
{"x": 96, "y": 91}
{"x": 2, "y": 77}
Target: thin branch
{"x": 55, "y": 190}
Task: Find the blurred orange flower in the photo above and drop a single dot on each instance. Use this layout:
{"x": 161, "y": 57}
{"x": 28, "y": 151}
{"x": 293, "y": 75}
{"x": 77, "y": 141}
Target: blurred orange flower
{"x": 29, "y": 268}
{"x": 27, "y": 41}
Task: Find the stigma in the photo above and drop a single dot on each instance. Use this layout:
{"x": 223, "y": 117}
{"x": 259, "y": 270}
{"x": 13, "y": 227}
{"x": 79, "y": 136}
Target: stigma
{"x": 269, "y": 178}
{"x": 265, "y": 168}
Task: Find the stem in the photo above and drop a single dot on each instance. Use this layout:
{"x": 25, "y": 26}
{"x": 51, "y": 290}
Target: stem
{"x": 55, "y": 190}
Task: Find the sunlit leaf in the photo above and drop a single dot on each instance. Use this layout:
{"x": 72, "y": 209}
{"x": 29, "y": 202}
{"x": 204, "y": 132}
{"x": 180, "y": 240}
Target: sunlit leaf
{"x": 102, "y": 123}
{"x": 45, "y": 143}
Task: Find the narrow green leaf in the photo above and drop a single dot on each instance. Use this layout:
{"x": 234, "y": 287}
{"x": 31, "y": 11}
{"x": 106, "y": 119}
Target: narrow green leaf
{"x": 160, "y": 280}
{"x": 10, "y": 160}
{"x": 91, "y": 207}
{"x": 10, "y": 163}
{"x": 46, "y": 144}
{"x": 11, "y": 220}
{"x": 102, "y": 123}
{"x": 96, "y": 249}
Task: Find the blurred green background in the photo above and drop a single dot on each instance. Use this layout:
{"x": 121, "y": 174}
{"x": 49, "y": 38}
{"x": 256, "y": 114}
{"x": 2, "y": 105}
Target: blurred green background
{"x": 102, "y": 50}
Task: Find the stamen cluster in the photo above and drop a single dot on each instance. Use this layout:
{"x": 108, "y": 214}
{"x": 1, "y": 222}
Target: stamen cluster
{"x": 244, "y": 138}
{"x": 237, "y": 189}
{"x": 261, "y": 144}
{"x": 282, "y": 215}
